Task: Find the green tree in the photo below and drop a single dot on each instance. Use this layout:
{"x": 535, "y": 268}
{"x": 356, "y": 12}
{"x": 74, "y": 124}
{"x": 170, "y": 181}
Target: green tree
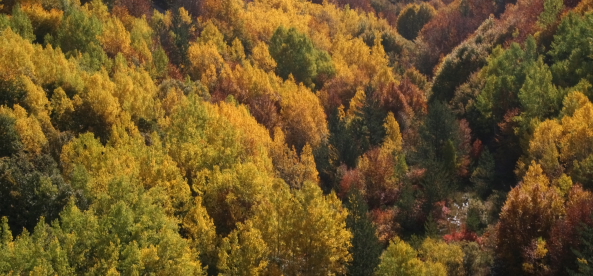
{"x": 366, "y": 248}
{"x": 552, "y": 9}
{"x": 79, "y": 34}
{"x": 31, "y": 189}
{"x": 412, "y": 18}
{"x": 504, "y": 78}
{"x": 21, "y": 24}
{"x": 571, "y": 50}
{"x": 295, "y": 54}
{"x": 10, "y": 142}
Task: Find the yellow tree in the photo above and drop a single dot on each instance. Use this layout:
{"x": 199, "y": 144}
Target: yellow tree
{"x": 303, "y": 116}
{"x": 401, "y": 259}
{"x": 305, "y": 231}
{"x": 531, "y": 209}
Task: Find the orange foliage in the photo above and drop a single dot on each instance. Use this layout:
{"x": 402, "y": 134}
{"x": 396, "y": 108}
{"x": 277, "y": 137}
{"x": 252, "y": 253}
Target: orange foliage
{"x": 451, "y": 25}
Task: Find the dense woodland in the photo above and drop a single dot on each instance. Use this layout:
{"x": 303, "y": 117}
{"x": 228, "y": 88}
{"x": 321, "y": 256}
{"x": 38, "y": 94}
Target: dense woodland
{"x": 289, "y": 137}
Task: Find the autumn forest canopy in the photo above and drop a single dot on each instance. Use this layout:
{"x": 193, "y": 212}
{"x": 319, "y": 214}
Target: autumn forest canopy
{"x": 294, "y": 137}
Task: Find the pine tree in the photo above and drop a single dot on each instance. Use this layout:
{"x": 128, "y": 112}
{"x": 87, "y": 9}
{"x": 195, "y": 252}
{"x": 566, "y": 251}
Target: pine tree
{"x": 366, "y": 248}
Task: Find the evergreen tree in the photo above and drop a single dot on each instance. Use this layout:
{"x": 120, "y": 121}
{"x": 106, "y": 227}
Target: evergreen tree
{"x": 366, "y": 248}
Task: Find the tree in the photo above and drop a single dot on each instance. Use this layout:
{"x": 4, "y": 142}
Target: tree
{"x": 10, "y": 143}
{"x": 305, "y": 231}
{"x": 243, "y": 252}
{"x": 295, "y": 54}
{"x": 539, "y": 98}
{"x": 401, "y": 259}
{"x": 529, "y": 213}
{"x": 366, "y": 248}
{"x": 412, "y": 18}
{"x": 450, "y": 255}
{"x": 79, "y": 34}
{"x": 570, "y": 51}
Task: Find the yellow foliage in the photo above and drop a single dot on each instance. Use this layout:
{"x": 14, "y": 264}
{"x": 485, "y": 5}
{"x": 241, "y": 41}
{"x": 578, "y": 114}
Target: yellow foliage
{"x": 261, "y": 57}
{"x": 141, "y": 39}
{"x": 211, "y": 34}
{"x": 60, "y": 102}
{"x": 450, "y": 255}
{"x": 572, "y": 102}
{"x": 15, "y": 56}
{"x": 200, "y": 228}
{"x": 206, "y": 61}
{"x": 98, "y": 97}
{"x": 576, "y": 143}
{"x": 303, "y": 116}
{"x": 291, "y": 167}
{"x": 28, "y": 128}
{"x": 401, "y": 259}
{"x": 243, "y": 252}
{"x": 305, "y": 230}
{"x": 531, "y": 209}
{"x": 115, "y": 38}
{"x": 393, "y": 137}
{"x": 543, "y": 148}
{"x": 35, "y": 100}
{"x": 253, "y": 136}
{"x": 42, "y": 19}
{"x": 135, "y": 91}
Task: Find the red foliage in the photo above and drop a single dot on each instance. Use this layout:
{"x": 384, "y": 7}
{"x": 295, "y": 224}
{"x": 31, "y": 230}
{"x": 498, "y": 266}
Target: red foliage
{"x": 405, "y": 100}
{"x": 266, "y": 110}
{"x": 564, "y": 234}
{"x": 571, "y": 3}
{"x": 379, "y": 185}
{"x": 463, "y": 235}
{"x": 477, "y": 148}
{"x": 351, "y": 179}
{"x": 137, "y": 8}
{"x": 364, "y": 5}
{"x": 385, "y": 222}
{"x": 452, "y": 25}
{"x": 522, "y": 18}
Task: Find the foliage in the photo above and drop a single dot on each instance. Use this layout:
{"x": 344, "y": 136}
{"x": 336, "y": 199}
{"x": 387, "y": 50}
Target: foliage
{"x": 412, "y": 18}
{"x": 287, "y": 137}
{"x": 295, "y": 55}
{"x": 366, "y": 248}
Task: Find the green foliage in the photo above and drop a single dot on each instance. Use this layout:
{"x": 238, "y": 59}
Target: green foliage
{"x": 127, "y": 232}
{"x": 584, "y": 253}
{"x": 483, "y": 175}
{"x": 465, "y": 59}
{"x": 10, "y": 141}
{"x": 305, "y": 230}
{"x": 140, "y": 142}
{"x": 78, "y": 35}
{"x": 21, "y": 24}
{"x": 412, "y": 18}
{"x": 571, "y": 50}
{"x": 295, "y": 54}
{"x": 31, "y": 189}
{"x": 366, "y": 248}
{"x": 552, "y": 9}
{"x": 505, "y": 75}
{"x": 538, "y": 96}
{"x": 441, "y": 150}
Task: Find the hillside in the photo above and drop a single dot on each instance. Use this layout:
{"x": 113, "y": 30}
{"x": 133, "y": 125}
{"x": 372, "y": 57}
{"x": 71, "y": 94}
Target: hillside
{"x": 290, "y": 137}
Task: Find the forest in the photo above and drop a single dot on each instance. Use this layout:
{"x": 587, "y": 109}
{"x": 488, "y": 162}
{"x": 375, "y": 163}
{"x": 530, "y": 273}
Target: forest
{"x": 295, "y": 137}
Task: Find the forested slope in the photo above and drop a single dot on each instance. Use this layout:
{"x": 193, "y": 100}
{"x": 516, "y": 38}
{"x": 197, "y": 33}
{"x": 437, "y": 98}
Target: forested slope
{"x": 289, "y": 137}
